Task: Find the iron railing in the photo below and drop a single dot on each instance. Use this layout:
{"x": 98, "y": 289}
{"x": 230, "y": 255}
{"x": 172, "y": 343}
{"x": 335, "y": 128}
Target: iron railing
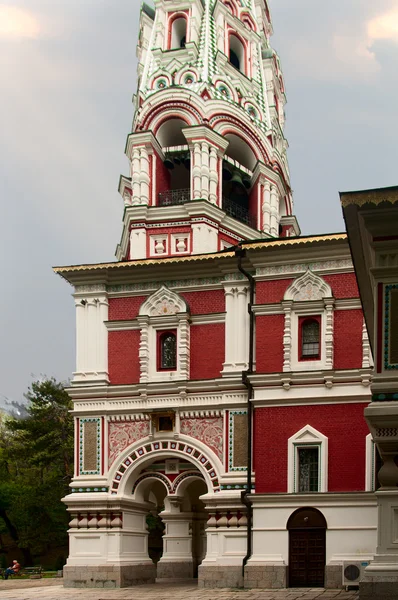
{"x": 234, "y": 210}
{"x": 171, "y": 197}
{"x": 238, "y": 212}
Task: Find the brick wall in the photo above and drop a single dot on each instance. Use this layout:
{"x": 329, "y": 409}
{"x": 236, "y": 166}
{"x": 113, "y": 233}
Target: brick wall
{"x": 269, "y": 292}
{"x": 348, "y": 339}
{"x": 344, "y": 285}
{"x": 124, "y": 367}
{"x": 207, "y": 350}
{"x": 343, "y": 424}
{"x": 269, "y": 343}
{"x": 205, "y": 303}
{"x": 125, "y": 309}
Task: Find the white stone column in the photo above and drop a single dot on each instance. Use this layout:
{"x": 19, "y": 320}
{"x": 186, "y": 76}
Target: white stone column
{"x": 102, "y": 355}
{"x": 230, "y": 326}
{"x": 241, "y": 356}
{"x": 274, "y": 211}
{"x": 205, "y": 171}
{"x": 266, "y": 207}
{"x": 196, "y": 162}
{"x": 176, "y": 561}
{"x": 135, "y": 176}
{"x": 145, "y": 177}
{"x": 213, "y": 175}
{"x": 81, "y": 337}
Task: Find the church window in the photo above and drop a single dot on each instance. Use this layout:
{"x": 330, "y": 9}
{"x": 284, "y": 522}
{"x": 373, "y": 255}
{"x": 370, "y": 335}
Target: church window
{"x": 310, "y": 338}
{"x": 307, "y": 461}
{"x": 178, "y": 33}
{"x": 308, "y": 469}
{"x": 167, "y": 351}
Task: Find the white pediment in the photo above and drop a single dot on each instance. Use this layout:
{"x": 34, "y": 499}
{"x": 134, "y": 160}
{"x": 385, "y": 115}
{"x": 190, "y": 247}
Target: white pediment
{"x": 308, "y": 287}
{"x": 163, "y": 302}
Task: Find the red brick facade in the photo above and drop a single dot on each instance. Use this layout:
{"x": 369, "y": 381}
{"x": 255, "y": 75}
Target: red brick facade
{"x": 207, "y": 350}
{"x": 338, "y": 422}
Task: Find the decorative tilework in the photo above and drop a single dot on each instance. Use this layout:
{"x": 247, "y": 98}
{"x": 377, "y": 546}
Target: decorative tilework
{"x": 390, "y": 313}
{"x": 207, "y": 430}
{"x": 124, "y": 434}
{"x": 90, "y": 446}
{"x": 237, "y": 427}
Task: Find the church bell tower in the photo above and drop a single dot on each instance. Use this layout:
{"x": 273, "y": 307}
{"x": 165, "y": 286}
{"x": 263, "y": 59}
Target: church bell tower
{"x": 207, "y": 154}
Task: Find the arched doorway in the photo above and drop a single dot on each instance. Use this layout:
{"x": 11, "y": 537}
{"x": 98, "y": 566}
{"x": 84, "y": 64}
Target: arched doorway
{"x": 176, "y": 516}
{"x": 307, "y": 548}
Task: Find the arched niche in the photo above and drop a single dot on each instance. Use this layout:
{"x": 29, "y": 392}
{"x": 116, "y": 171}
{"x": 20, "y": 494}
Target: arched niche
{"x": 306, "y": 518}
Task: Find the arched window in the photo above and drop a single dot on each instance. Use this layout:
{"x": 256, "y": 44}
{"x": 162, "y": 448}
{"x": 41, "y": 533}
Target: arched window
{"x": 236, "y": 53}
{"x": 310, "y": 338}
{"x": 178, "y": 33}
{"x": 167, "y": 351}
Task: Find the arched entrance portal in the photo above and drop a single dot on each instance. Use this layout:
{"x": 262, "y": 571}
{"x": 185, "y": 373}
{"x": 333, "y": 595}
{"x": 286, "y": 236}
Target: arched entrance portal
{"x": 176, "y": 516}
{"x": 307, "y": 548}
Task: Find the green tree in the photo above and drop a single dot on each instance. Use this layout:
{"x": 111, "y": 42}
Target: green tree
{"x": 36, "y": 466}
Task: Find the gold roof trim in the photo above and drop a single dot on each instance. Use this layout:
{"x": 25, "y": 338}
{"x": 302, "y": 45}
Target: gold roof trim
{"x": 375, "y": 197}
{"x": 197, "y": 257}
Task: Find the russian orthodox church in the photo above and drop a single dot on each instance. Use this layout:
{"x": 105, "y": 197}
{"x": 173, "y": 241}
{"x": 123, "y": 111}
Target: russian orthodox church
{"x": 223, "y": 364}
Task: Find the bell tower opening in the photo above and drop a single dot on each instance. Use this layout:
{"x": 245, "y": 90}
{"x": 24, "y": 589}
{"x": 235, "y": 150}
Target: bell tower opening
{"x": 236, "y": 53}
{"x": 238, "y": 166}
{"x": 178, "y": 33}
{"x": 177, "y": 162}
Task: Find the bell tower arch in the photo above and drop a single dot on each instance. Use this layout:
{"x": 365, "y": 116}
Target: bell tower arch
{"x": 207, "y": 153}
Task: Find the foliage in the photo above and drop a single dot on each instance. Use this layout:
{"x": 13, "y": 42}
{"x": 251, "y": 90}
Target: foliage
{"x": 36, "y": 465}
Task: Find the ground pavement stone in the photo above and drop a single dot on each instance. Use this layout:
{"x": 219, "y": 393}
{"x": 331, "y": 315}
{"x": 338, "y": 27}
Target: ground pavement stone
{"x": 52, "y": 589}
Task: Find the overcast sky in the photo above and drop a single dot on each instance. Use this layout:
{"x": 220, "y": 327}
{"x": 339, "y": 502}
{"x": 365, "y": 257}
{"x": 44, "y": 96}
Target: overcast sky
{"x": 67, "y": 75}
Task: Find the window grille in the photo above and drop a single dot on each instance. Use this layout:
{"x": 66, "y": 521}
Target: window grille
{"x": 168, "y": 351}
{"x": 308, "y": 469}
{"x": 310, "y": 339}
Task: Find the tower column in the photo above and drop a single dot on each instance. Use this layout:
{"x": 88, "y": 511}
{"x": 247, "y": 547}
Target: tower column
{"x": 207, "y": 150}
{"x": 274, "y": 211}
{"x": 213, "y": 175}
{"x": 266, "y": 207}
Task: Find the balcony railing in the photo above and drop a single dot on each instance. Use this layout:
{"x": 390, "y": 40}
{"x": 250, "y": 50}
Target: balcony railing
{"x": 234, "y": 210}
{"x": 238, "y": 212}
{"x": 171, "y": 197}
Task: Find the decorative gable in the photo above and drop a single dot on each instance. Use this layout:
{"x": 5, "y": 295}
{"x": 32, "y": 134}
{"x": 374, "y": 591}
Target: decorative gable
{"x": 308, "y": 287}
{"x": 163, "y": 302}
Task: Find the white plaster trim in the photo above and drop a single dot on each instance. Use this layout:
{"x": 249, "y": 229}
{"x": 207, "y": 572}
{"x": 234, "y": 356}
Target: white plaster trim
{"x": 308, "y": 295}
{"x": 162, "y": 310}
{"x": 130, "y": 407}
{"x": 307, "y": 437}
{"x": 122, "y": 325}
{"x": 208, "y": 319}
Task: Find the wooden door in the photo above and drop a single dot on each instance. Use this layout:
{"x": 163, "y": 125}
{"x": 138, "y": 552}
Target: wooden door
{"x": 307, "y": 550}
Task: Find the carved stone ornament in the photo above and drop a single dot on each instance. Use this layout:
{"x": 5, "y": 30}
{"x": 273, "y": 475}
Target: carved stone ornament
{"x": 308, "y": 287}
{"x": 163, "y": 302}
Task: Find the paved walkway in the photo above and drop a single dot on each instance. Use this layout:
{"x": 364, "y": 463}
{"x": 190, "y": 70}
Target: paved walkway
{"x": 52, "y": 589}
